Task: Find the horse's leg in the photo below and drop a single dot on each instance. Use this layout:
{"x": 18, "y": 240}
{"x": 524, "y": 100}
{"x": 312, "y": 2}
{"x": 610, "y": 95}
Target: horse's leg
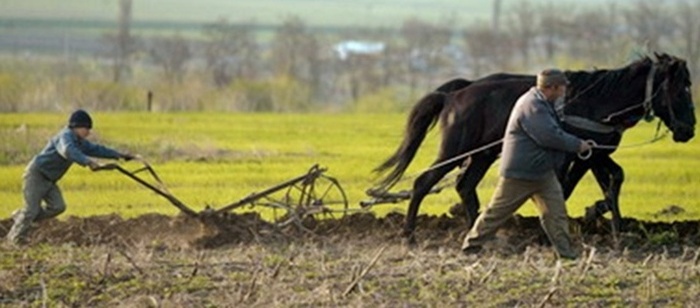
{"x": 610, "y": 177}
{"x": 421, "y": 188}
{"x": 604, "y": 178}
{"x": 573, "y": 176}
{"x": 467, "y": 182}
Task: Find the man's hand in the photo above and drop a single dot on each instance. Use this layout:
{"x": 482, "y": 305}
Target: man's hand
{"x": 586, "y": 146}
{"x": 585, "y": 149}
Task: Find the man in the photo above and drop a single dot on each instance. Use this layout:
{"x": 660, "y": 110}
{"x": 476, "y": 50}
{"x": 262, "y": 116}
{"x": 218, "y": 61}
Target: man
{"x": 46, "y": 168}
{"x": 534, "y": 146}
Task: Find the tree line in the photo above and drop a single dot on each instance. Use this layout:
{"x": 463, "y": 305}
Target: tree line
{"x": 230, "y": 67}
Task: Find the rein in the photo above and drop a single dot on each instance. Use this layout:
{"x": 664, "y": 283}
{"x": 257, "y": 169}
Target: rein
{"x": 586, "y": 155}
{"x": 592, "y": 125}
{"x": 464, "y": 155}
{"x": 648, "y": 96}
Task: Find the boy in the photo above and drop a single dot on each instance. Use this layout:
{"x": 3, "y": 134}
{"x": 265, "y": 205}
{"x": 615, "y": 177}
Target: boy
{"x": 46, "y": 168}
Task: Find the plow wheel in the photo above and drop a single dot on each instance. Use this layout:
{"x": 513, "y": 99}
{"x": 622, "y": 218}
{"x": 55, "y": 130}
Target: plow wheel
{"x": 315, "y": 198}
{"x": 302, "y": 201}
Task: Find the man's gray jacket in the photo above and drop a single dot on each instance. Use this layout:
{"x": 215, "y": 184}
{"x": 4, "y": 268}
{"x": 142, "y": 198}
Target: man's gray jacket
{"x": 534, "y": 142}
{"x": 64, "y": 149}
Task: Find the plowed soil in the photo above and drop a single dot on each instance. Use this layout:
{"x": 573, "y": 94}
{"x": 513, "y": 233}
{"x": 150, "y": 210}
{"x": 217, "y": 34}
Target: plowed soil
{"x": 215, "y": 232}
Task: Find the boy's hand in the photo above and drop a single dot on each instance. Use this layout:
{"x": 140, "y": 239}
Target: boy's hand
{"x": 93, "y": 165}
{"x": 129, "y": 156}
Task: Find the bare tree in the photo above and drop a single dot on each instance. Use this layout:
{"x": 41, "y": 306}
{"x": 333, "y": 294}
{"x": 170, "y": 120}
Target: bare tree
{"x": 392, "y": 70}
{"x": 171, "y": 54}
{"x": 522, "y": 27}
{"x": 552, "y": 28}
{"x": 496, "y": 26}
{"x": 365, "y": 61}
{"x": 363, "y": 75}
{"x": 488, "y": 51}
{"x": 296, "y": 54}
{"x": 123, "y": 43}
{"x": 425, "y": 43}
{"x": 688, "y": 26}
{"x": 231, "y": 51}
{"x": 389, "y": 59}
{"x": 593, "y": 35}
{"x": 648, "y": 21}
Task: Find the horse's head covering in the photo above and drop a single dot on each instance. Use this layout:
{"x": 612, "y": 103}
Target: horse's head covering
{"x": 551, "y": 77}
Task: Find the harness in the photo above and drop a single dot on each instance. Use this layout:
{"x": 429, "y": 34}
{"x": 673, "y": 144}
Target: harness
{"x": 602, "y": 127}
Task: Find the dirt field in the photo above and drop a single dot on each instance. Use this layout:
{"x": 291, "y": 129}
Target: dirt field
{"x": 359, "y": 260}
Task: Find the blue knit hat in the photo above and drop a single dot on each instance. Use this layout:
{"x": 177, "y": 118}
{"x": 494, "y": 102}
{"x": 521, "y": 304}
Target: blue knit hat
{"x": 80, "y": 118}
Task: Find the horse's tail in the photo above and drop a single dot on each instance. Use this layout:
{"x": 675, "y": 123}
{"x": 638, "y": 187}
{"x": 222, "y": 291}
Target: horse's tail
{"x": 422, "y": 118}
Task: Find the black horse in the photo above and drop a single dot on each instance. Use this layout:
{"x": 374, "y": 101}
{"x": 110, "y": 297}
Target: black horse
{"x": 600, "y": 106}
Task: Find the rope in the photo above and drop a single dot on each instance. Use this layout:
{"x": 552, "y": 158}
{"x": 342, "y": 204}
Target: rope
{"x": 587, "y": 154}
{"x": 464, "y": 155}
{"x": 446, "y": 162}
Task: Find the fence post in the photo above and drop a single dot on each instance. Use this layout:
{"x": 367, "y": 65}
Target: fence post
{"x": 149, "y": 103}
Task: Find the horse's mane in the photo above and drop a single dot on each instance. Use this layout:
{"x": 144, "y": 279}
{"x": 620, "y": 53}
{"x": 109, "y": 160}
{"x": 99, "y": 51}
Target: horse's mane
{"x": 606, "y": 81}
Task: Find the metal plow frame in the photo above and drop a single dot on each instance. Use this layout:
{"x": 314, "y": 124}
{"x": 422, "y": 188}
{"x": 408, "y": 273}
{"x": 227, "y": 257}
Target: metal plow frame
{"x": 313, "y": 194}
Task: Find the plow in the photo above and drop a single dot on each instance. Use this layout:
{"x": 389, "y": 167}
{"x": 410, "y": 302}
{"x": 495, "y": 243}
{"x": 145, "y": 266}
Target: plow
{"x": 310, "y": 195}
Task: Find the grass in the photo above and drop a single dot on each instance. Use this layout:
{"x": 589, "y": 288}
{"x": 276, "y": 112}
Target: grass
{"x": 215, "y": 159}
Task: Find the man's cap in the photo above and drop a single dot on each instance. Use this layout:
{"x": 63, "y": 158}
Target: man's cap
{"x": 80, "y": 118}
{"x": 552, "y": 77}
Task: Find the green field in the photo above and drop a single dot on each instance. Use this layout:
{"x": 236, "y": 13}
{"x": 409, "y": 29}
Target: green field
{"x": 214, "y": 159}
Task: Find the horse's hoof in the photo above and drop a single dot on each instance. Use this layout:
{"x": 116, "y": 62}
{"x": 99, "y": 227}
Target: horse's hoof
{"x": 409, "y": 239}
{"x": 591, "y": 215}
{"x": 596, "y": 210}
{"x": 472, "y": 250}
{"x": 471, "y": 219}
{"x": 458, "y": 210}
{"x": 617, "y": 226}
{"x": 411, "y": 242}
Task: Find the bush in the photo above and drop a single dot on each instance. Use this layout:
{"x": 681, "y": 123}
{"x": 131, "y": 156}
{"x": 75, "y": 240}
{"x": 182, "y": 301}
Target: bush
{"x": 48, "y": 86}
{"x": 385, "y": 100}
{"x": 100, "y": 95}
{"x": 12, "y": 90}
{"x": 190, "y": 95}
{"x": 280, "y": 94}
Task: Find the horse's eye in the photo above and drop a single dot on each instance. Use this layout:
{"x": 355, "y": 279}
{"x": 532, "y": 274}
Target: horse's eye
{"x": 687, "y": 89}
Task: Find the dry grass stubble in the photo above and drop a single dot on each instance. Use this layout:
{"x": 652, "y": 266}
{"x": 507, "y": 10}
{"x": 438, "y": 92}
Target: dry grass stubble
{"x": 161, "y": 261}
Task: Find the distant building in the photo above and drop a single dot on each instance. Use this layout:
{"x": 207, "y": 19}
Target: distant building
{"x": 347, "y": 48}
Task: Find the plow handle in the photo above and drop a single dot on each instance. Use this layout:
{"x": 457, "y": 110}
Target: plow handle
{"x": 163, "y": 193}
